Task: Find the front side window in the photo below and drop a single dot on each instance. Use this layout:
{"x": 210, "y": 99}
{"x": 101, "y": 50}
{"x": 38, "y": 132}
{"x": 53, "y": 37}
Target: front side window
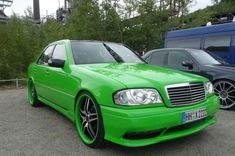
{"x": 176, "y": 58}
{"x": 217, "y": 43}
{"x": 59, "y": 52}
{"x": 184, "y": 43}
{"x": 93, "y": 52}
{"x": 46, "y": 56}
{"x": 158, "y": 58}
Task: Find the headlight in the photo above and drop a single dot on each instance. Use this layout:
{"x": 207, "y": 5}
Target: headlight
{"x": 137, "y": 97}
{"x": 209, "y": 88}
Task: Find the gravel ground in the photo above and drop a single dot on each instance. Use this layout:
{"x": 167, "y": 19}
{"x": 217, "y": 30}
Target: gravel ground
{"x": 25, "y": 130}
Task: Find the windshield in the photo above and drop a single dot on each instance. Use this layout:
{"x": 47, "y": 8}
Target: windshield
{"x": 203, "y": 58}
{"x": 93, "y": 52}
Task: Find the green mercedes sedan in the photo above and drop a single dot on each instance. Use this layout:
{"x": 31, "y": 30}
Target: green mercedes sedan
{"x": 111, "y": 94}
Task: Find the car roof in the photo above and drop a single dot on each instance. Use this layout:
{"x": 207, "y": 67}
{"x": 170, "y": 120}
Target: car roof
{"x": 168, "y": 49}
{"x": 87, "y": 41}
{"x": 227, "y": 27}
{"x": 165, "y": 49}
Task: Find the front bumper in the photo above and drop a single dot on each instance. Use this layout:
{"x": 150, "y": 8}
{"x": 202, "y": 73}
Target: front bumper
{"x": 118, "y": 123}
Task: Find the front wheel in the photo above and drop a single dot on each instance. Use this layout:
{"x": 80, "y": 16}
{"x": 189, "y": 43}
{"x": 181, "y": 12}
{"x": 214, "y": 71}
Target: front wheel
{"x": 226, "y": 92}
{"x": 89, "y": 121}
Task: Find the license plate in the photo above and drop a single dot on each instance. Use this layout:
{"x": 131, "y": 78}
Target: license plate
{"x": 194, "y": 115}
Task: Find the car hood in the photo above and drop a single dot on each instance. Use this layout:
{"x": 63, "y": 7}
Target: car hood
{"x": 142, "y": 75}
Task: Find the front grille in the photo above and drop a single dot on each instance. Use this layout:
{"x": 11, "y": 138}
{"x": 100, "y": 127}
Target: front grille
{"x": 186, "y": 94}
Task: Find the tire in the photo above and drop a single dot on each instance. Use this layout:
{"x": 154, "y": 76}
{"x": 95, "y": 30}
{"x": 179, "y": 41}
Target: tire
{"x": 88, "y": 120}
{"x": 32, "y": 95}
{"x": 225, "y": 89}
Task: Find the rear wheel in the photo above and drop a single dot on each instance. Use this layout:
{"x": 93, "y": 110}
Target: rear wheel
{"x": 32, "y": 95}
{"x": 226, "y": 91}
{"x": 88, "y": 120}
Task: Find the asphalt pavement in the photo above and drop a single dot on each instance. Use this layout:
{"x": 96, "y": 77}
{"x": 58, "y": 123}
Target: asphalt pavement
{"x": 28, "y": 131}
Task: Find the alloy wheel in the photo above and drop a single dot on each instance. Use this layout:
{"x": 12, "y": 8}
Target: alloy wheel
{"x": 31, "y": 93}
{"x": 89, "y": 118}
{"x": 226, "y": 92}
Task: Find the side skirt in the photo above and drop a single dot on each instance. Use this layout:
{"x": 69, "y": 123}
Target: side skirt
{"x": 66, "y": 113}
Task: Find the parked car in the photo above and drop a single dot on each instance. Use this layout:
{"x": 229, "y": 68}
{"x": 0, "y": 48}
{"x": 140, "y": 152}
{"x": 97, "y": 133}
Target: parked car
{"x": 217, "y": 39}
{"x": 112, "y": 94}
{"x": 201, "y": 63}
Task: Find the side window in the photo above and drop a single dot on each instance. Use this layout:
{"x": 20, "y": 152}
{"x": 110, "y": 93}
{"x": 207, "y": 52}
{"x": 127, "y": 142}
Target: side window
{"x": 158, "y": 58}
{"x": 59, "y": 52}
{"x": 175, "y": 59}
{"x": 184, "y": 43}
{"x": 46, "y": 56}
{"x": 217, "y": 43}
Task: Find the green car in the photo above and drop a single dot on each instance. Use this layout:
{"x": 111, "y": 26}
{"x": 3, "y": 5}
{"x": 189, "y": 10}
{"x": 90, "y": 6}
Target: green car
{"x": 112, "y": 94}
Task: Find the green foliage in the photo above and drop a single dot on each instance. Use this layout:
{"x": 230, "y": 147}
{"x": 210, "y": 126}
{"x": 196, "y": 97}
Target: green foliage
{"x": 140, "y": 24}
{"x": 201, "y": 17}
{"x": 85, "y": 22}
{"x": 111, "y": 22}
{"x": 17, "y": 43}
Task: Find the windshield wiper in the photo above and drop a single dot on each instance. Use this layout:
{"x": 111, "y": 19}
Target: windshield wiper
{"x": 113, "y": 53}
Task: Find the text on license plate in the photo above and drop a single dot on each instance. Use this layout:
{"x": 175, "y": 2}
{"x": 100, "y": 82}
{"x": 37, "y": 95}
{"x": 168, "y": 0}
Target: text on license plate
{"x": 194, "y": 115}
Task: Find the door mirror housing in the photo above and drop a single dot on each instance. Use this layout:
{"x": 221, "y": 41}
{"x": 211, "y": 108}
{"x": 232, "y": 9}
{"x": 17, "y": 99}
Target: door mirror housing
{"x": 56, "y": 63}
{"x": 188, "y": 64}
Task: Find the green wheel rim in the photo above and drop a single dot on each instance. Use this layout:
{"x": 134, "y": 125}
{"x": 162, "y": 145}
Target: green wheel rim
{"x": 87, "y": 121}
{"x": 31, "y": 92}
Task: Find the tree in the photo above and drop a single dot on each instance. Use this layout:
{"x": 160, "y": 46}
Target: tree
{"x": 227, "y": 1}
{"x": 85, "y": 21}
{"x": 111, "y": 21}
{"x": 131, "y": 8}
{"x": 140, "y": 24}
{"x": 215, "y": 1}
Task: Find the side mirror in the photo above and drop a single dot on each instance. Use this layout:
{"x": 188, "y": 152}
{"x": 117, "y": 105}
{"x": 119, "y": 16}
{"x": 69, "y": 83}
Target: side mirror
{"x": 188, "y": 64}
{"x": 56, "y": 63}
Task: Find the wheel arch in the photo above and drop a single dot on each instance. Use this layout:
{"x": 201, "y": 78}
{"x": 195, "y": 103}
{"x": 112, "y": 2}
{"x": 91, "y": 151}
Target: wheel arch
{"x": 222, "y": 79}
{"x": 30, "y": 79}
{"x": 79, "y": 93}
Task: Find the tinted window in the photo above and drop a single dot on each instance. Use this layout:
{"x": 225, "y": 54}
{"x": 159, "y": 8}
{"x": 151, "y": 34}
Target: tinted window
{"x": 59, "y": 52}
{"x": 203, "y": 58}
{"x": 185, "y": 43}
{"x": 126, "y": 54}
{"x": 92, "y": 52}
{"x": 46, "y": 56}
{"x": 158, "y": 58}
{"x": 175, "y": 59}
{"x": 147, "y": 59}
{"x": 217, "y": 43}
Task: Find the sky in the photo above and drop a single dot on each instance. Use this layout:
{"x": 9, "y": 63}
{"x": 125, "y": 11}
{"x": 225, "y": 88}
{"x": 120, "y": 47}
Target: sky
{"x": 49, "y": 7}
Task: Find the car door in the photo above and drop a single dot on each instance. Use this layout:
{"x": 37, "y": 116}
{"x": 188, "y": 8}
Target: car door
{"x": 41, "y": 72}
{"x": 60, "y": 90}
{"x": 176, "y": 58}
{"x": 158, "y": 58}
